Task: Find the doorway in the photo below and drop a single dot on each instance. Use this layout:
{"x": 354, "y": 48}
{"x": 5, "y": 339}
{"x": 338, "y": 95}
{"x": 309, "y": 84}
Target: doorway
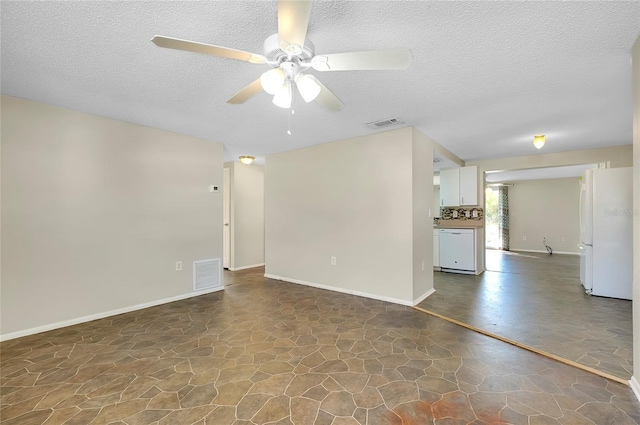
{"x": 492, "y": 226}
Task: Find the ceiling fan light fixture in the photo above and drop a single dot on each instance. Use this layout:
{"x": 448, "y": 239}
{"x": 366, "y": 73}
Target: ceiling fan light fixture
{"x": 307, "y": 86}
{"x": 272, "y": 80}
{"x": 282, "y": 97}
{"x": 538, "y": 141}
{"x": 247, "y": 159}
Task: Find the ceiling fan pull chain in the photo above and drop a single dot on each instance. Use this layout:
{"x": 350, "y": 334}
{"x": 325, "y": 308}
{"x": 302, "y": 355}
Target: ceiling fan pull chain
{"x": 291, "y": 112}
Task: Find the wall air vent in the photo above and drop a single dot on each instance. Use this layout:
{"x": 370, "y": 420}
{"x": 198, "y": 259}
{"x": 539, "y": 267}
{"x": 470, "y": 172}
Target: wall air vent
{"x": 206, "y": 274}
{"x": 375, "y": 125}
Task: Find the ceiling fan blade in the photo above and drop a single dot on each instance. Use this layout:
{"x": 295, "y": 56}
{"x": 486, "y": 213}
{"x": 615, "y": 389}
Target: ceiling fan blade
{"x": 246, "y": 93}
{"x": 293, "y": 20}
{"x": 207, "y": 49}
{"x": 363, "y": 61}
{"x": 328, "y": 100}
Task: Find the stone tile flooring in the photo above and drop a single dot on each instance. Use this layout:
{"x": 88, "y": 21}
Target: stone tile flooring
{"x": 537, "y": 299}
{"x": 268, "y": 352}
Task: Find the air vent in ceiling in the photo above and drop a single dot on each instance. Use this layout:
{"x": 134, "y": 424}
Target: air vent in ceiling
{"x": 375, "y": 125}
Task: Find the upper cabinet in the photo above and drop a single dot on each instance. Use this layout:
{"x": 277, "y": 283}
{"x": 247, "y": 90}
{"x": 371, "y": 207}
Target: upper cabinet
{"x": 449, "y": 187}
{"x": 459, "y": 186}
{"x": 469, "y": 185}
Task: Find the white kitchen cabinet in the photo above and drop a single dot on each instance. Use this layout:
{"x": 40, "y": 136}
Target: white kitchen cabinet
{"x": 469, "y": 185}
{"x": 457, "y": 250}
{"x": 450, "y": 187}
{"x": 436, "y": 248}
{"x": 459, "y": 186}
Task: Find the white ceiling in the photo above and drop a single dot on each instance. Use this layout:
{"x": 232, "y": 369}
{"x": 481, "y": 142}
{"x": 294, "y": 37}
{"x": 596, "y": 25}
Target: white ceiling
{"x": 486, "y": 76}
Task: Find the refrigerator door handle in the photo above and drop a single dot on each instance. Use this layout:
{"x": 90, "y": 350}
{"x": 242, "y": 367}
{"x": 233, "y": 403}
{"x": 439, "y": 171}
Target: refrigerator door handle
{"x": 581, "y": 209}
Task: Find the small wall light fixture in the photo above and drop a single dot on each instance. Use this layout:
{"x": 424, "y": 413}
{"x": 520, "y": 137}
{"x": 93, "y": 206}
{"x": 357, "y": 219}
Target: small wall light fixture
{"x": 246, "y": 159}
{"x": 538, "y": 141}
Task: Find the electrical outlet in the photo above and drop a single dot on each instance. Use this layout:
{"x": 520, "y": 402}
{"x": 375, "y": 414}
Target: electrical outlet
{"x": 524, "y": 238}
{"x": 333, "y": 261}
{"x": 178, "y": 266}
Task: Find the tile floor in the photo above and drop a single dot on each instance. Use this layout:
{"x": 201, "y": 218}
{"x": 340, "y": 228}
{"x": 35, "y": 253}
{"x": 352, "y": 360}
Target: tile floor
{"x": 268, "y": 352}
{"x": 537, "y": 300}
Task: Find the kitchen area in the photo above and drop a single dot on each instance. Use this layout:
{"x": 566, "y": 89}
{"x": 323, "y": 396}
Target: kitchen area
{"x": 538, "y": 298}
{"x": 458, "y": 223}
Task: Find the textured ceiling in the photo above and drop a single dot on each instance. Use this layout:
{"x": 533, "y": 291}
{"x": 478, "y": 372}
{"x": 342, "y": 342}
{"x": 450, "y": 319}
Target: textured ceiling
{"x": 486, "y": 76}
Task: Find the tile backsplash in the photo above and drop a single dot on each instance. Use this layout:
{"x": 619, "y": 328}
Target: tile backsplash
{"x": 448, "y": 213}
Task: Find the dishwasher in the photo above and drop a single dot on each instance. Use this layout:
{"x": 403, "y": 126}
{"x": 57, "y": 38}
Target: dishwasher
{"x": 457, "y": 250}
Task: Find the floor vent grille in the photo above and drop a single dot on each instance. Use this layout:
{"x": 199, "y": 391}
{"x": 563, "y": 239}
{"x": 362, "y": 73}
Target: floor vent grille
{"x": 206, "y": 274}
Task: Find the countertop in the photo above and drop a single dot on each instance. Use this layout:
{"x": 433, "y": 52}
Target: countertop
{"x": 459, "y": 224}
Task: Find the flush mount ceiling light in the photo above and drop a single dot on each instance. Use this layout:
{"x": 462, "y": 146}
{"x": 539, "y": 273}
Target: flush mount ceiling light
{"x": 246, "y": 159}
{"x": 538, "y": 141}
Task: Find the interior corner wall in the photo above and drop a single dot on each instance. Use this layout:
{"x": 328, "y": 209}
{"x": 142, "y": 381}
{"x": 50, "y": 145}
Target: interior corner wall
{"x": 95, "y": 214}
{"x": 545, "y": 209}
{"x": 350, "y": 200}
{"x": 635, "y": 380}
{"x": 423, "y": 213}
{"x": 247, "y": 216}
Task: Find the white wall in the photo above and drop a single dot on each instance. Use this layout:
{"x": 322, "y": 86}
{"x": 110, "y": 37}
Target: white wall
{"x": 422, "y": 204}
{"x": 96, "y": 212}
{"x": 247, "y": 215}
{"x": 635, "y": 380}
{"x": 545, "y": 208}
{"x": 350, "y": 199}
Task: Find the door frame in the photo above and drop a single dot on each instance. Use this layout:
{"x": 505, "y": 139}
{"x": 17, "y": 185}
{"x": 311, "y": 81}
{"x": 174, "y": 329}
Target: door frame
{"x": 226, "y": 218}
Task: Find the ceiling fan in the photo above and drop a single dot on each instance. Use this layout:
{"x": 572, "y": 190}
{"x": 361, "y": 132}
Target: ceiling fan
{"x": 290, "y": 54}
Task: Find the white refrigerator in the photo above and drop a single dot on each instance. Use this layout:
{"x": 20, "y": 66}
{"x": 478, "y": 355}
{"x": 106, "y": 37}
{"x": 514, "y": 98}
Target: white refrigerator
{"x": 606, "y": 232}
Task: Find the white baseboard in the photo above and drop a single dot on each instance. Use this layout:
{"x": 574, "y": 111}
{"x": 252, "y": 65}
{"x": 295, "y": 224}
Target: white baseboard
{"x": 70, "y": 322}
{"x": 341, "y": 290}
{"x": 423, "y": 297}
{"x": 635, "y": 386}
{"x": 237, "y": 269}
{"x": 544, "y": 251}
